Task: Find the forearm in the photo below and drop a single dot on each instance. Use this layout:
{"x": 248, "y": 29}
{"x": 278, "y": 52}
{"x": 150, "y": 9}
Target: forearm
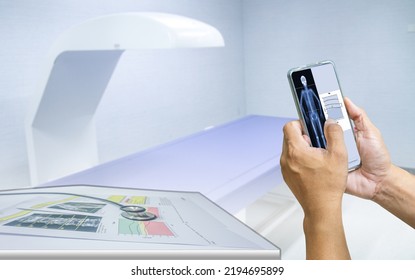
{"x": 396, "y": 193}
{"x": 325, "y": 237}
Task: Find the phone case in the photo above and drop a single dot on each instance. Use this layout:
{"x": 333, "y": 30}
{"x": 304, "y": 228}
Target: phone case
{"x": 317, "y": 116}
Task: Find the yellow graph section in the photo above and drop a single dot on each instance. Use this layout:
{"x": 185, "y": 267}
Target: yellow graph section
{"x": 128, "y": 199}
{"x": 137, "y": 200}
{"x": 116, "y": 198}
{"x": 16, "y": 215}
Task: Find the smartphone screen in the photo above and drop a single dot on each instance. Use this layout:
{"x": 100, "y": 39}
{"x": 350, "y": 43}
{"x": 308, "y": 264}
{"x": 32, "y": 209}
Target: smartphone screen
{"x": 318, "y": 96}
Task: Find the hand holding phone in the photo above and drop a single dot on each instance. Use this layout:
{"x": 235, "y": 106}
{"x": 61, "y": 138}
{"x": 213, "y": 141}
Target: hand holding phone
{"x": 318, "y": 97}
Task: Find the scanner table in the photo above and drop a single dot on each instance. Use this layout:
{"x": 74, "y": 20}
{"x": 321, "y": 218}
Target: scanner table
{"x": 233, "y": 164}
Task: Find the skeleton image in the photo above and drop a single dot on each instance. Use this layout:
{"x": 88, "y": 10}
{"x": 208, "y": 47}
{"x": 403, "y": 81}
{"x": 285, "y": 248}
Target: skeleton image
{"x": 310, "y": 104}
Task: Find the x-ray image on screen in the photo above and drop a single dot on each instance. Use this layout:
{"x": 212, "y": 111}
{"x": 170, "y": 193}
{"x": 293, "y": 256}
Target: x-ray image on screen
{"x": 310, "y": 107}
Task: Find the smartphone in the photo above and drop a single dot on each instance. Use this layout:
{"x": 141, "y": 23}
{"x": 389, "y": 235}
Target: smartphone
{"x": 318, "y": 97}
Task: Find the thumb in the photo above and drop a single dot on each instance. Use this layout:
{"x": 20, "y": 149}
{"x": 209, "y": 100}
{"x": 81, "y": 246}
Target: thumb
{"x": 334, "y": 138}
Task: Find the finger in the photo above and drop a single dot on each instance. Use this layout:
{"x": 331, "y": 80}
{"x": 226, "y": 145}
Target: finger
{"x": 352, "y": 109}
{"x": 293, "y": 133}
{"x": 334, "y": 137}
{"x": 363, "y": 125}
{"x": 307, "y": 138}
{"x": 357, "y": 114}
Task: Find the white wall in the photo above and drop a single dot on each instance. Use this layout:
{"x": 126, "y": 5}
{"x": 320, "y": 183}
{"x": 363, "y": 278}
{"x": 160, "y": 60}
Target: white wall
{"x": 154, "y": 96}
{"x": 368, "y": 41}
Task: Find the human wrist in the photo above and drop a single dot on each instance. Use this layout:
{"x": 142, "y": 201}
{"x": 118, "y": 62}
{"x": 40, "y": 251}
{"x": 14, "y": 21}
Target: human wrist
{"x": 396, "y": 193}
{"x": 322, "y": 218}
{"x": 390, "y": 186}
{"x": 324, "y": 235}
{"x": 389, "y": 180}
